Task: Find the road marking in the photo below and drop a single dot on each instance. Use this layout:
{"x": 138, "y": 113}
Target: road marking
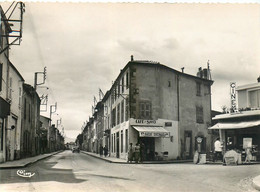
{"x": 23, "y": 173}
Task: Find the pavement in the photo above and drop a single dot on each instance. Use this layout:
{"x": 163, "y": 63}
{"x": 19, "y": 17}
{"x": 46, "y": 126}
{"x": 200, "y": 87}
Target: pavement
{"x": 118, "y": 160}
{"x": 28, "y": 161}
{"x": 25, "y": 162}
{"x": 256, "y": 182}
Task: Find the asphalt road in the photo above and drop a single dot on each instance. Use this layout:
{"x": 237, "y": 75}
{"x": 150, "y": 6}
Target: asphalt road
{"x": 71, "y": 172}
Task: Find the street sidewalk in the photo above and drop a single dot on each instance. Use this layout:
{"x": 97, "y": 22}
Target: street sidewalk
{"x": 25, "y": 162}
{"x": 256, "y": 183}
{"x": 118, "y": 160}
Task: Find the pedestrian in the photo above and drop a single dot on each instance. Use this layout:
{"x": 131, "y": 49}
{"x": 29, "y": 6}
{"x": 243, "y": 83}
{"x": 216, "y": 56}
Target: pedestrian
{"x": 217, "y": 150}
{"x": 105, "y": 151}
{"x": 101, "y": 150}
{"x": 130, "y": 153}
{"x": 248, "y": 155}
{"x": 137, "y": 153}
{"x": 142, "y": 152}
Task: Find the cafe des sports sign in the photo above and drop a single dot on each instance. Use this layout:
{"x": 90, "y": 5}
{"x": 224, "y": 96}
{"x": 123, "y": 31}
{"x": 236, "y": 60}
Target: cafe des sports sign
{"x": 154, "y": 134}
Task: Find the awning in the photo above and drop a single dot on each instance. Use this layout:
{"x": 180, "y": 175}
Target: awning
{"x": 236, "y": 125}
{"x": 146, "y": 131}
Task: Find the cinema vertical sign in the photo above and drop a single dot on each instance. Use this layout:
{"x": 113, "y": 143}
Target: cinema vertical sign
{"x": 233, "y": 96}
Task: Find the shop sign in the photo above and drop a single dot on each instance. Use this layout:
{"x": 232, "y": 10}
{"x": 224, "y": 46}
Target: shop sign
{"x": 233, "y": 95}
{"x": 145, "y": 122}
{"x": 153, "y": 134}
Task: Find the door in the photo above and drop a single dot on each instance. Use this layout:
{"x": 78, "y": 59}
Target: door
{"x": 188, "y": 144}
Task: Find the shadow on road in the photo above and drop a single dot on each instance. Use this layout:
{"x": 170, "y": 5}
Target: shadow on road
{"x": 42, "y": 171}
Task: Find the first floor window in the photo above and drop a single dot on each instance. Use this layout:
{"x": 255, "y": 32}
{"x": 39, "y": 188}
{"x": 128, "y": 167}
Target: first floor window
{"x": 199, "y": 114}
{"x": 145, "y": 110}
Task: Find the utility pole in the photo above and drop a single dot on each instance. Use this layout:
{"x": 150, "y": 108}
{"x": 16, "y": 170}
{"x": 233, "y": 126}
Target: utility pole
{"x": 58, "y": 123}
{"x": 52, "y": 111}
{"x": 44, "y": 73}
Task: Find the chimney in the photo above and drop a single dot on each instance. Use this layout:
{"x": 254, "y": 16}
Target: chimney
{"x": 132, "y": 58}
{"x": 258, "y": 79}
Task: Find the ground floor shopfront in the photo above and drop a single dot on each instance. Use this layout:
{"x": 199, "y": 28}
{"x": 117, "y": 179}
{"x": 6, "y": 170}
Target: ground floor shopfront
{"x": 240, "y": 136}
{"x": 159, "y": 138}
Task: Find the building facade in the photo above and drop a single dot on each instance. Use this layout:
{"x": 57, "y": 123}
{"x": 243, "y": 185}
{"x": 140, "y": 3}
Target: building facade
{"x": 164, "y": 109}
{"x": 30, "y": 122}
{"x": 13, "y": 133}
{"x": 239, "y": 129}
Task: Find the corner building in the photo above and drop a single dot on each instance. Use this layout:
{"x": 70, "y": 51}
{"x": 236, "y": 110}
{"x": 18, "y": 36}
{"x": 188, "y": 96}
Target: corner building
{"x": 166, "y": 110}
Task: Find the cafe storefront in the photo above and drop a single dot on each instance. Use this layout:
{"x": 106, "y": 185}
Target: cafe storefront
{"x": 158, "y": 137}
{"x": 238, "y": 133}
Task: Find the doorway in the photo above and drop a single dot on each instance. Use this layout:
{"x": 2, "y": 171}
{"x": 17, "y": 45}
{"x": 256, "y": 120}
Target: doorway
{"x": 149, "y": 148}
{"x": 117, "y": 144}
{"x": 188, "y": 144}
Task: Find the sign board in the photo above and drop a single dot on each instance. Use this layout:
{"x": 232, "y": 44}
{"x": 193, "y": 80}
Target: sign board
{"x": 145, "y": 122}
{"x": 247, "y": 143}
{"x": 233, "y": 95}
{"x": 153, "y": 134}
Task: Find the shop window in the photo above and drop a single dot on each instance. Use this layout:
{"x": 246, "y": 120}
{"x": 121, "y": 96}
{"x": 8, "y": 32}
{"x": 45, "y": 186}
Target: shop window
{"x": 20, "y": 97}
{"x": 207, "y": 90}
{"x": 122, "y": 141}
{"x": 123, "y": 84}
{"x": 10, "y": 88}
{"x": 127, "y": 84}
{"x": 199, "y": 114}
{"x": 118, "y": 114}
{"x": 29, "y": 115}
{"x": 126, "y": 140}
{"x": 114, "y": 117}
{"x": 126, "y": 108}
{"x": 122, "y": 111}
{"x": 24, "y": 112}
{"x": 118, "y": 89}
{"x": 145, "y": 110}
{"x": 198, "y": 89}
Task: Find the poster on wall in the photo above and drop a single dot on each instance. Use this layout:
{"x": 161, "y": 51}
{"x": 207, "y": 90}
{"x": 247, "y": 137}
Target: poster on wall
{"x": 247, "y": 143}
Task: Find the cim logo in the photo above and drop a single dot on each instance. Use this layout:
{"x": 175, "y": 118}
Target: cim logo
{"x": 23, "y": 173}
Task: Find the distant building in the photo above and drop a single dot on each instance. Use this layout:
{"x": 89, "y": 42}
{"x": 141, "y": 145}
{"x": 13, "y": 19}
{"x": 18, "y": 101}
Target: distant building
{"x": 30, "y": 122}
{"x": 45, "y": 123}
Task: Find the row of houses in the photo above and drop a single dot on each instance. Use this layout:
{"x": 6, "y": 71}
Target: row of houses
{"x": 166, "y": 110}
{"x": 23, "y": 131}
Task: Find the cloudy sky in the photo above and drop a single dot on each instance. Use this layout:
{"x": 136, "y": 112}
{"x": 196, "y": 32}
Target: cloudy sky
{"x": 84, "y": 46}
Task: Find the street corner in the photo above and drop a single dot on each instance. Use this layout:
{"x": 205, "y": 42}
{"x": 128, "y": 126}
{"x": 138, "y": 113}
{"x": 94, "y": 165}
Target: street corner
{"x": 256, "y": 182}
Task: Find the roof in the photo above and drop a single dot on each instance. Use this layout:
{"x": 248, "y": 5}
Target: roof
{"x": 153, "y": 64}
{"x": 45, "y": 117}
{"x": 236, "y": 125}
{"x": 14, "y": 68}
{"x": 248, "y": 86}
{"x": 237, "y": 115}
